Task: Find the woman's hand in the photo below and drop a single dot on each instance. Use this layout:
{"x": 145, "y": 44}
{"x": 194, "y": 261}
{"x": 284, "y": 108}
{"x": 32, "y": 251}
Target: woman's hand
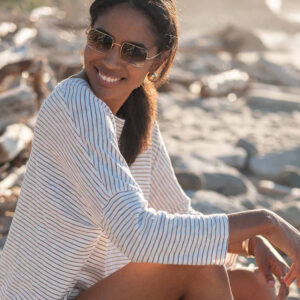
{"x": 270, "y": 262}
{"x": 287, "y": 238}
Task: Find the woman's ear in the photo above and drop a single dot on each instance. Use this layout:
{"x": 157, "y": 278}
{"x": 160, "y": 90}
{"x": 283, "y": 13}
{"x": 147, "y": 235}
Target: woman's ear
{"x": 159, "y": 61}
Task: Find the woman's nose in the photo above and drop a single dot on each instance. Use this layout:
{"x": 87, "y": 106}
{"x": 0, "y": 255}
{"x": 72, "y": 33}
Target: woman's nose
{"x": 112, "y": 57}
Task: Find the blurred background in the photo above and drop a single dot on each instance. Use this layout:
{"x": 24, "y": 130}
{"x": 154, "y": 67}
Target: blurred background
{"x": 229, "y": 113}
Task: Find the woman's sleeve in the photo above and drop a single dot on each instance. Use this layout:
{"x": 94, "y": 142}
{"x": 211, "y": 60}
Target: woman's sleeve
{"x": 165, "y": 191}
{"x": 112, "y": 200}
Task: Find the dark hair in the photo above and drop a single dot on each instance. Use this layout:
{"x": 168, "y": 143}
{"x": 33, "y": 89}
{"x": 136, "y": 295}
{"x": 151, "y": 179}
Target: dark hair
{"x": 139, "y": 110}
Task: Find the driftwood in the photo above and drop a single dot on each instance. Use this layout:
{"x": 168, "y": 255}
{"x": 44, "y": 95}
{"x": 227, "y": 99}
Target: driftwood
{"x": 13, "y": 141}
{"x": 16, "y": 105}
{"x": 35, "y": 70}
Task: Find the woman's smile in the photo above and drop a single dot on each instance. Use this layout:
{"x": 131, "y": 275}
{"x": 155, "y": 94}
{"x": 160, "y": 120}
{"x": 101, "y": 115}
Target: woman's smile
{"x": 108, "y": 81}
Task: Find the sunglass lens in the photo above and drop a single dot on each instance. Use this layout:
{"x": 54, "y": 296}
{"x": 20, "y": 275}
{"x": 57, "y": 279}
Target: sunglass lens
{"x": 100, "y": 41}
{"x": 133, "y": 54}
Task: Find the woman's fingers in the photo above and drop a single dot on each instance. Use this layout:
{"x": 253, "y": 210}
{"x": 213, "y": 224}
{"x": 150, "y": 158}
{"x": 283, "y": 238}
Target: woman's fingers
{"x": 266, "y": 270}
{"x": 280, "y": 270}
{"x": 291, "y": 275}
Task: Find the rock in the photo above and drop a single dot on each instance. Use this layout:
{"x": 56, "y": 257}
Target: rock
{"x": 290, "y": 176}
{"x": 236, "y": 158}
{"x": 234, "y": 40}
{"x": 233, "y": 81}
{"x": 14, "y": 140}
{"x": 250, "y": 148}
{"x": 6, "y": 28}
{"x": 225, "y": 184}
{"x": 209, "y": 202}
{"x": 15, "y": 178}
{"x": 13, "y": 55}
{"x": 46, "y": 14}
{"x": 273, "y": 100}
{"x": 289, "y": 211}
{"x": 25, "y": 36}
{"x": 275, "y": 73}
{"x": 217, "y": 176}
{"x": 189, "y": 180}
{"x": 181, "y": 76}
{"x": 5, "y": 222}
{"x": 16, "y": 105}
{"x": 271, "y": 188}
{"x": 269, "y": 166}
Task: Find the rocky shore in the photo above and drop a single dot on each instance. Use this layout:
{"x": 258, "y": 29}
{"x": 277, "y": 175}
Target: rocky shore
{"x": 229, "y": 114}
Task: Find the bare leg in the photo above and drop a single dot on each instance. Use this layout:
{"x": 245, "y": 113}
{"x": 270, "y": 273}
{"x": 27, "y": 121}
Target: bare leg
{"x": 249, "y": 285}
{"x": 146, "y": 281}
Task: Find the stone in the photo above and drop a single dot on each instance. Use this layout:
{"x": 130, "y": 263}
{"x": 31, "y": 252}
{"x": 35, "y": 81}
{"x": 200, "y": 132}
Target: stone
{"x": 234, "y": 39}
{"x": 46, "y": 14}
{"x": 14, "y": 140}
{"x": 290, "y": 176}
{"x": 225, "y": 184}
{"x": 7, "y": 28}
{"x": 216, "y": 175}
{"x": 222, "y": 84}
{"x": 289, "y": 211}
{"x": 25, "y": 36}
{"x": 236, "y": 158}
{"x": 273, "y": 100}
{"x": 250, "y": 147}
{"x": 209, "y": 202}
{"x": 269, "y": 166}
{"x": 189, "y": 180}
{"x": 272, "y": 188}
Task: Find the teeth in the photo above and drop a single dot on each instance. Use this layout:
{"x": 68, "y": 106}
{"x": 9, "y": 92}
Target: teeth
{"x": 108, "y": 79}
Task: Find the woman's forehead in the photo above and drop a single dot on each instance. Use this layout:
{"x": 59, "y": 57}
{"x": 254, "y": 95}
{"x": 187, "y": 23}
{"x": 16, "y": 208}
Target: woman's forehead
{"x": 126, "y": 23}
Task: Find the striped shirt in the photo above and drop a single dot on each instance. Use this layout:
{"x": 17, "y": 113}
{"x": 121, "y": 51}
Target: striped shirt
{"x": 82, "y": 213}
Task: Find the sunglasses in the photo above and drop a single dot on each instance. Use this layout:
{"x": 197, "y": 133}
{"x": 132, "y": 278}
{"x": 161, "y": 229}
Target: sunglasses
{"x": 130, "y": 53}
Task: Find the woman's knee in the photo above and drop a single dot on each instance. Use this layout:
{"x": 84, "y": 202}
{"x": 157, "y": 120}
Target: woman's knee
{"x": 248, "y": 284}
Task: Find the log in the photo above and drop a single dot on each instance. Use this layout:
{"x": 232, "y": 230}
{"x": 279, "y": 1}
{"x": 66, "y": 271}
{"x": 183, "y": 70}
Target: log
{"x": 17, "y": 105}
{"x": 9, "y": 200}
{"x": 16, "y": 68}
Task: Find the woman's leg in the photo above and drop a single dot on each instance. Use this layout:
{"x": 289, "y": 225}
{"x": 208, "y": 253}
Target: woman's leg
{"x": 145, "y": 281}
{"x": 249, "y": 285}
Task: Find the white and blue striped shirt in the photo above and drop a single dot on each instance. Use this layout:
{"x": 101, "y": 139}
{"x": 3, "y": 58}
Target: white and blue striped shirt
{"x": 83, "y": 213}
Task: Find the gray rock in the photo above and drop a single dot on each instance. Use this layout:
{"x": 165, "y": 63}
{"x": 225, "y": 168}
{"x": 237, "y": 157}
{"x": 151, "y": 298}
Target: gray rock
{"x": 236, "y": 158}
{"x": 290, "y": 176}
{"x": 190, "y": 180}
{"x": 218, "y": 176}
{"x": 209, "y": 202}
{"x": 226, "y": 184}
{"x": 273, "y": 100}
{"x": 289, "y": 211}
{"x": 269, "y": 166}
{"x": 250, "y": 148}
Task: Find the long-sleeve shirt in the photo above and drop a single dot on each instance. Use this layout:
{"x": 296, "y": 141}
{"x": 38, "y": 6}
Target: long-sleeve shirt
{"x": 83, "y": 213}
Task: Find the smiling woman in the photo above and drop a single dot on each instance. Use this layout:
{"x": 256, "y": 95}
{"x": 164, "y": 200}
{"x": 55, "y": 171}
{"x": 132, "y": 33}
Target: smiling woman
{"x": 101, "y": 214}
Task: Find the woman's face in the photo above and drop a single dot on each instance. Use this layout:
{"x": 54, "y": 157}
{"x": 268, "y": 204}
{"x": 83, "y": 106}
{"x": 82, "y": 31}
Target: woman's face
{"x": 111, "y": 78}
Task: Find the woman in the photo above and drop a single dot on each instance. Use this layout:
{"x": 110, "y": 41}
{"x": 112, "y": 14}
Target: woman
{"x": 83, "y": 229}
